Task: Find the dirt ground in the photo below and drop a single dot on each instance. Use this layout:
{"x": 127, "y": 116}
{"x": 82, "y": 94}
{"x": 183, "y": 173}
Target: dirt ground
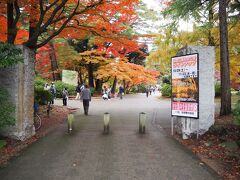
{"x": 57, "y": 115}
{"x": 219, "y": 148}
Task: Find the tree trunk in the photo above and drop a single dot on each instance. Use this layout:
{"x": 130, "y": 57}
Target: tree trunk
{"x": 33, "y": 29}
{"x": 124, "y": 86}
{"x": 80, "y": 79}
{"x": 210, "y": 21}
{"x": 11, "y": 27}
{"x": 113, "y": 90}
{"x": 224, "y": 59}
{"x": 90, "y": 75}
{"x": 54, "y": 65}
{"x": 99, "y": 85}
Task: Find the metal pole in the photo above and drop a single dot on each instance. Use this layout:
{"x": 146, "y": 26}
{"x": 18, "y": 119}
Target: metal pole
{"x": 198, "y": 129}
{"x": 172, "y": 125}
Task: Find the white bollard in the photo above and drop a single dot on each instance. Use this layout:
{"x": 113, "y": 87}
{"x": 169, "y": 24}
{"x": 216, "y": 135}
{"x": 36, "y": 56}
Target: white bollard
{"x": 70, "y": 122}
{"x": 106, "y": 120}
{"x": 142, "y": 122}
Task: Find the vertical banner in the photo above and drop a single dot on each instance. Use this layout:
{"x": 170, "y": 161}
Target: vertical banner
{"x": 185, "y": 86}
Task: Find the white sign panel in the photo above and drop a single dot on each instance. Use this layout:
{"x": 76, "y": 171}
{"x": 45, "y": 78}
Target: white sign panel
{"x": 185, "y": 86}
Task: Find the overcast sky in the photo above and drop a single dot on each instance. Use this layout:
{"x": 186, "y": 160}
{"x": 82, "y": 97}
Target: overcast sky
{"x": 157, "y": 6}
{"x": 154, "y": 4}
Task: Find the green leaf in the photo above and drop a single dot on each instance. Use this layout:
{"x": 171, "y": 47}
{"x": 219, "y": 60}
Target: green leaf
{"x": 9, "y": 55}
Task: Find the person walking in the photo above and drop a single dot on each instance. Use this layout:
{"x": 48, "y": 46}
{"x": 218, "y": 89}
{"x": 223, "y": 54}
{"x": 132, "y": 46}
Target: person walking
{"x": 78, "y": 90}
{"x": 121, "y": 91}
{"x": 86, "y": 98}
{"x": 65, "y": 96}
{"x": 147, "y": 91}
{"x": 53, "y": 92}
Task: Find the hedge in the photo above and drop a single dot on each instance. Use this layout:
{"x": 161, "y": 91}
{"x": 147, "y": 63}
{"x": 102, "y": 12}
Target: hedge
{"x": 166, "y": 90}
{"x": 236, "y": 113}
{"x": 59, "y": 87}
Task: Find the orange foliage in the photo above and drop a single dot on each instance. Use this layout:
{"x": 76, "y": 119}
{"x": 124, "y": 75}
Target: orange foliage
{"x": 105, "y": 19}
{"x": 132, "y": 73}
{"x": 43, "y": 61}
{"x": 22, "y": 34}
{"x": 3, "y": 29}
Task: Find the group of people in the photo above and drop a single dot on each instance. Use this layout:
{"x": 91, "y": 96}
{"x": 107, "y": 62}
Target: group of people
{"x": 150, "y": 90}
{"x": 52, "y": 89}
{"x": 106, "y": 93}
{"x": 83, "y": 93}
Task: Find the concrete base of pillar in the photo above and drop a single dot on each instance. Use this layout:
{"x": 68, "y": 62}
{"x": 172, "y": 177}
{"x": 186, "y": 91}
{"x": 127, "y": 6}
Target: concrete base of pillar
{"x": 19, "y": 81}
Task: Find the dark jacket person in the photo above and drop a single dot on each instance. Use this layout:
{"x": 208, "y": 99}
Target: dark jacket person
{"x": 86, "y": 98}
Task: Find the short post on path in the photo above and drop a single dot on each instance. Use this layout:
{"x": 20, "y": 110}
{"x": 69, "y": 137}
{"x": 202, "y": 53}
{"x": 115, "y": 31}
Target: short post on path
{"x": 106, "y": 120}
{"x": 70, "y": 122}
{"x": 142, "y": 122}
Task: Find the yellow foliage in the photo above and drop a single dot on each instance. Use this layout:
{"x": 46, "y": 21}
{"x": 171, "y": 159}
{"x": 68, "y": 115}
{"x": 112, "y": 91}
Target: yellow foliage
{"x": 169, "y": 43}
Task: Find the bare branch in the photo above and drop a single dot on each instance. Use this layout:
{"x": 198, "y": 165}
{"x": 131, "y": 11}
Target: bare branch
{"x": 18, "y": 13}
{"x": 59, "y": 7}
{"x": 60, "y": 29}
{"x": 53, "y": 4}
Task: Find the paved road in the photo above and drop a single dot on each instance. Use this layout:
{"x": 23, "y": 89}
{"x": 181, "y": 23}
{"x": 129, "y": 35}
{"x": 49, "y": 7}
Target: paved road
{"x": 88, "y": 154}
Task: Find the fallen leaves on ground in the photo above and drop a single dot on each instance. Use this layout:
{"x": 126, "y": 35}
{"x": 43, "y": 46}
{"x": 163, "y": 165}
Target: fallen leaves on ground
{"x": 219, "y": 147}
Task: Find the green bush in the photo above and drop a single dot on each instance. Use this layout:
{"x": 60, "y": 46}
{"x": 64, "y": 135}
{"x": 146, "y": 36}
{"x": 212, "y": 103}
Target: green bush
{"x": 92, "y": 90}
{"x": 133, "y": 90}
{"x": 39, "y": 82}
{"x": 236, "y": 113}
{"x": 217, "y": 89}
{"x": 166, "y": 90}
{"x": 141, "y": 88}
{"x": 9, "y": 55}
{"x": 41, "y": 96}
{"x": 59, "y": 87}
{"x": 7, "y": 110}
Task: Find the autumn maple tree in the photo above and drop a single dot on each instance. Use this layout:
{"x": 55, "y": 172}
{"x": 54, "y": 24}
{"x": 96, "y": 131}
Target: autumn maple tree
{"x": 103, "y": 21}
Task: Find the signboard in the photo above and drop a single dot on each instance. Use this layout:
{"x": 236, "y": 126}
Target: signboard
{"x": 185, "y": 86}
{"x": 70, "y": 77}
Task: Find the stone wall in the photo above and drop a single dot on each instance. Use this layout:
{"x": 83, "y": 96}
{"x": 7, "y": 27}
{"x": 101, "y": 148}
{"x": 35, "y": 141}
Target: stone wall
{"x": 189, "y": 126}
{"x": 19, "y": 81}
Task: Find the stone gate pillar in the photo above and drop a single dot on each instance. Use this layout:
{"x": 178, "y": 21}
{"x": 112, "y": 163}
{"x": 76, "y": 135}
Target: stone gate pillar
{"x": 19, "y": 81}
{"x": 188, "y": 126}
